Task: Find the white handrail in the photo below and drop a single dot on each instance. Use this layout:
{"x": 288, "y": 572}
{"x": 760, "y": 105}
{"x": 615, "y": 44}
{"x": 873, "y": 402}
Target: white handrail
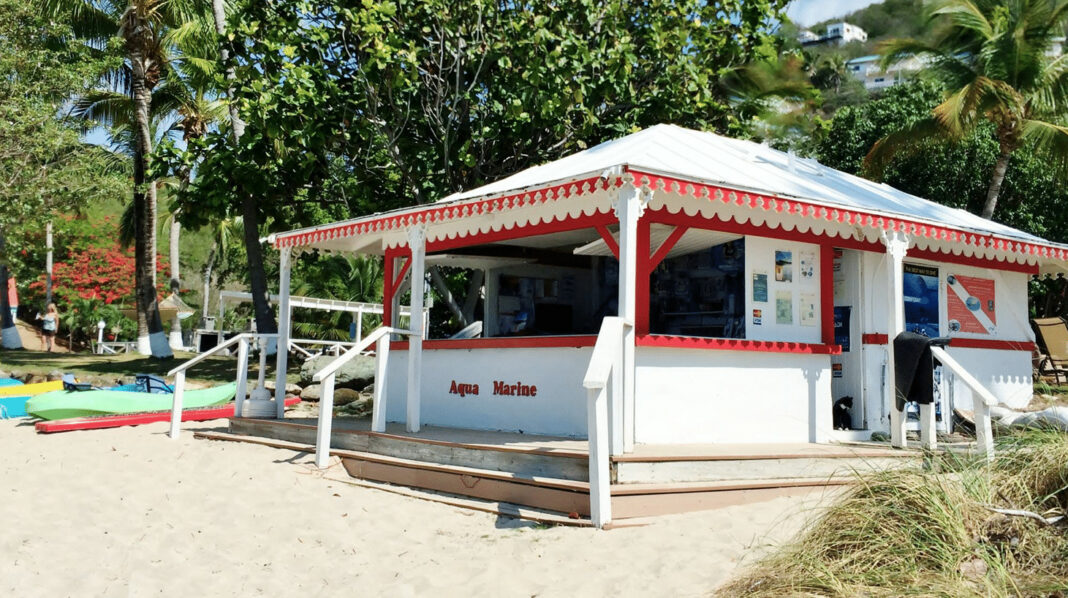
{"x": 609, "y": 343}
{"x": 982, "y": 401}
{"x": 606, "y": 362}
{"x": 363, "y": 345}
{"x": 242, "y": 372}
{"x": 326, "y": 399}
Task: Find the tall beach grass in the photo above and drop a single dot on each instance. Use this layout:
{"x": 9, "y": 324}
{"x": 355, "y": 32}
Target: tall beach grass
{"x": 933, "y": 531}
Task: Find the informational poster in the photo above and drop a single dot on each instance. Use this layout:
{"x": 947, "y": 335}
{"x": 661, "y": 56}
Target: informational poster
{"x": 784, "y": 266}
{"x": 760, "y": 287}
{"x": 921, "y": 299}
{"x": 808, "y": 309}
{"x": 758, "y": 317}
{"x": 836, "y": 370}
{"x": 970, "y": 305}
{"x": 784, "y": 307}
{"x": 841, "y": 326}
{"x": 807, "y": 264}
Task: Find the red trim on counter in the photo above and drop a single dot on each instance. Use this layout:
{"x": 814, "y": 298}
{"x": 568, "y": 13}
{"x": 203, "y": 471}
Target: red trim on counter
{"x": 503, "y": 342}
{"x": 875, "y": 338}
{"x": 735, "y": 344}
{"x": 983, "y": 343}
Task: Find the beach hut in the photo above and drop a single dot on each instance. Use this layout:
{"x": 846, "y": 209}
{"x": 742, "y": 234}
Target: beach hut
{"x": 677, "y": 288}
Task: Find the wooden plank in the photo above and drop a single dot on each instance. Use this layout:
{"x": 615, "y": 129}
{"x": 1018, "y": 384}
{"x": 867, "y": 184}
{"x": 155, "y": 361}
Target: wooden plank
{"x": 691, "y": 487}
{"x": 487, "y": 488}
{"x": 137, "y": 419}
{"x": 651, "y": 505}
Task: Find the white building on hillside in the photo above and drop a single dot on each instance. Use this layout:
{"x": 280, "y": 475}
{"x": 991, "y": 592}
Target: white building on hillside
{"x": 840, "y": 34}
{"x": 868, "y": 70}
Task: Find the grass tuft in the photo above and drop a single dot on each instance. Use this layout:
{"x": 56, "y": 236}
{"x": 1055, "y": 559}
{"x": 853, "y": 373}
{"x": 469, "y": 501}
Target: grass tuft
{"x": 914, "y": 532}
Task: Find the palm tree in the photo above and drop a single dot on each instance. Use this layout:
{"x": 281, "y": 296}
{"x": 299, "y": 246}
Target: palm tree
{"x": 992, "y": 57}
{"x": 149, "y": 30}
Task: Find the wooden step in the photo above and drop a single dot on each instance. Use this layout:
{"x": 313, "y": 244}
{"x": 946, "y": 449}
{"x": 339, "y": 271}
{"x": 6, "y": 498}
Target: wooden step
{"x": 527, "y": 460}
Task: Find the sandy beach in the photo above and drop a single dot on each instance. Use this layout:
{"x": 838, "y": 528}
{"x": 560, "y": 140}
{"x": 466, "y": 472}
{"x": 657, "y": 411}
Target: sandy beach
{"x": 128, "y": 512}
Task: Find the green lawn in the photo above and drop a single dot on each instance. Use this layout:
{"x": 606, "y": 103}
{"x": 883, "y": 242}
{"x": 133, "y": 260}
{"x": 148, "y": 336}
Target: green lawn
{"x": 212, "y": 369}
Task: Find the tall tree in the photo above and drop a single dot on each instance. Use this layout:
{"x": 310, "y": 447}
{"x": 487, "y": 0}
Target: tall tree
{"x": 992, "y": 58}
{"x": 44, "y": 165}
{"x": 148, "y": 30}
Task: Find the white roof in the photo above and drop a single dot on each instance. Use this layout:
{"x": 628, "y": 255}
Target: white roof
{"x": 744, "y": 165}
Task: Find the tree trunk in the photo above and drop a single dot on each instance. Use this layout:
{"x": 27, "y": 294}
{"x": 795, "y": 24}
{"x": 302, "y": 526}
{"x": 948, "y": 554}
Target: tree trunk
{"x": 48, "y": 262}
{"x": 176, "y": 323}
{"x": 249, "y": 209}
{"x": 998, "y": 177}
{"x": 446, "y": 295}
{"x": 9, "y": 333}
{"x": 208, "y": 267}
{"x": 150, "y": 335}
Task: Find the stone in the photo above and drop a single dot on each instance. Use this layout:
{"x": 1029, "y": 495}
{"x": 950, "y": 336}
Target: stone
{"x": 34, "y": 379}
{"x": 55, "y": 375}
{"x": 292, "y": 390}
{"x": 344, "y": 396}
{"x": 5, "y": 374}
{"x": 356, "y": 374}
{"x": 311, "y": 392}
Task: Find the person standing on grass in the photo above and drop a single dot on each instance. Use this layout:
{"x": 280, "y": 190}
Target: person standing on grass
{"x": 49, "y": 324}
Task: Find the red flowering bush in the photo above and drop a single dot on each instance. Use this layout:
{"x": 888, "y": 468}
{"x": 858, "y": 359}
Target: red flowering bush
{"x": 98, "y": 272}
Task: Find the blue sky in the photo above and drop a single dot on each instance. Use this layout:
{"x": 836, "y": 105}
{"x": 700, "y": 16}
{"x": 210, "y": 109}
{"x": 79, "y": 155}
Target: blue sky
{"x": 807, "y": 12}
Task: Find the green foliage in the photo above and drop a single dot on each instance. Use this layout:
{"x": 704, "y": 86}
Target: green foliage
{"x": 79, "y": 319}
{"x": 340, "y": 277}
{"x": 355, "y": 107}
{"x": 951, "y": 173}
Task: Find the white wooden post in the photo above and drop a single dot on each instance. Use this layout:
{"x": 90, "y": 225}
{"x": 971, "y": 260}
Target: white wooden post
{"x": 242, "y": 376}
{"x": 896, "y": 248}
{"x": 284, "y": 325}
{"x": 600, "y": 482}
{"x": 417, "y": 243}
{"x": 359, "y": 324}
{"x": 928, "y": 434}
{"x": 984, "y": 433}
{"x": 176, "y": 405}
{"x": 326, "y": 421}
{"x": 629, "y": 209}
{"x": 378, "y": 412}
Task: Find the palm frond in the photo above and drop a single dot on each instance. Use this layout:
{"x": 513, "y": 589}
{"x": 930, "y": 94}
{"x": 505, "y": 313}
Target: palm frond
{"x": 1049, "y": 138}
{"x": 127, "y": 225}
{"x": 964, "y": 15}
{"x": 90, "y": 21}
{"x": 902, "y": 142}
{"x": 103, "y": 106}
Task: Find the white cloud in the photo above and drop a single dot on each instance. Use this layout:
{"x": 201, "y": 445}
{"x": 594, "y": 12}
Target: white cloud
{"x": 807, "y": 12}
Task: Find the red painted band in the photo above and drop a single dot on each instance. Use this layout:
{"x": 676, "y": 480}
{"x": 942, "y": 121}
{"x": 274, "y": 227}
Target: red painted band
{"x": 983, "y": 343}
{"x": 964, "y": 260}
{"x": 827, "y": 294}
{"x": 504, "y": 342}
{"x": 875, "y": 339}
{"x": 735, "y": 344}
{"x": 518, "y": 232}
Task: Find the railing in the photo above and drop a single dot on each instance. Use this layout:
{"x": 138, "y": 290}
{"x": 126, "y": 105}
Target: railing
{"x": 310, "y": 348}
{"x": 982, "y": 401}
{"x": 606, "y": 364}
{"x": 242, "y": 342}
{"x": 380, "y": 338}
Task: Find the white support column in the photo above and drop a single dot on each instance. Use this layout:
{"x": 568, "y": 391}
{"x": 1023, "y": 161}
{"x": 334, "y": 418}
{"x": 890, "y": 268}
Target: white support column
{"x": 378, "y": 411}
{"x": 984, "y": 433}
{"x": 176, "y": 404}
{"x": 928, "y": 434}
{"x": 242, "y": 377}
{"x": 417, "y": 243}
{"x": 325, "y": 423}
{"x": 896, "y": 247}
{"x": 359, "y": 324}
{"x": 600, "y": 482}
{"x": 284, "y": 325}
{"x": 629, "y": 209}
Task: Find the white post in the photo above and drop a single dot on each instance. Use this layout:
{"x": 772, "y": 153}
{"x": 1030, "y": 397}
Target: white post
{"x": 896, "y": 247}
{"x": 48, "y": 261}
{"x": 359, "y": 324}
{"x": 282, "y": 358}
{"x": 176, "y": 405}
{"x": 378, "y": 413}
{"x": 629, "y": 209}
{"x": 600, "y": 482}
{"x": 984, "y": 433}
{"x": 326, "y": 420}
{"x": 242, "y": 376}
{"x": 417, "y": 243}
{"x": 928, "y": 435}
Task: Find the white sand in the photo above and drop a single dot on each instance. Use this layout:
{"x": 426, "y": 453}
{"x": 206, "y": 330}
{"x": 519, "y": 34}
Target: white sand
{"x": 128, "y": 512}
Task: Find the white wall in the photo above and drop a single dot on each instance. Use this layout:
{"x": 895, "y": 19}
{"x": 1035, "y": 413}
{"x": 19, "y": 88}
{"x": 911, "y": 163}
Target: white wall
{"x": 760, "y": 257}
{"x": 692, "y": 395}
{"x": 558, "y": 409}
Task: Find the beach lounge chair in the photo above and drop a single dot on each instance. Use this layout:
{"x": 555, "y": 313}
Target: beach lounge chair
{"x": 1054, "y": 335}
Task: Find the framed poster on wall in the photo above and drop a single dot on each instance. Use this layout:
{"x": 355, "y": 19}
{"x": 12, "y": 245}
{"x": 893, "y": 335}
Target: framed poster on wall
{"x": 921, "y": 299}
{"x": 970, "y": 304}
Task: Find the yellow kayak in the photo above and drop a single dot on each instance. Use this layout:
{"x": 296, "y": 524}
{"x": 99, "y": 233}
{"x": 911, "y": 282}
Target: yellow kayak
{"x": 30, "y": 390}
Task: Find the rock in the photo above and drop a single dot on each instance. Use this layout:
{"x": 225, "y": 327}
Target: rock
{"x": 356, "y": 374}
{"x": 55, "y": 375}
{"x": 369, "y": 389}
{"x": 5, "y": 374}
{"x": 880, "y": 437}
{"x": 311, "y": 392}
{"x": 34, "y": 379}
{"x": 344, "y": 396}
{"x": 291, "y": 389}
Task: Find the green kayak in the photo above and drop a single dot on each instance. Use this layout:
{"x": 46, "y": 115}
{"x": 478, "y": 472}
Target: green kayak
{"x": 63, "y": 404}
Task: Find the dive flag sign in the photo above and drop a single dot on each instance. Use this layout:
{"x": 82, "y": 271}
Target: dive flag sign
{"x": 970, "y": 305}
